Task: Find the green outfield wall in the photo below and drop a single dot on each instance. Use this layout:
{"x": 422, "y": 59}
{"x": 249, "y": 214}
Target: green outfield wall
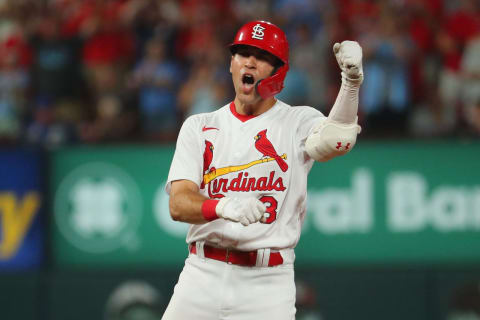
{"x": 392, "y": 231}
{"x": 382, "y": 204}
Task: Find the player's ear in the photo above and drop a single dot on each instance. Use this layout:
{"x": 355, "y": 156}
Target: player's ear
{"x": 231, "y": 61}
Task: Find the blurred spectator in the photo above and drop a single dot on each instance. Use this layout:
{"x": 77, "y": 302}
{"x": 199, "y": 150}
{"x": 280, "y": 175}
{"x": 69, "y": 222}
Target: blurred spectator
{"x": 458, "y": 28}
{"x": 65, "y": 65}
{"x": 108, "y": 51}
{"x": 306, "y": 82}
{"x": 292, "y": 13}
{"x": 156, "y": 80}
{"x": 470, "y": 67}
{"x": 156, "y": 18}
{"x": 422, "y": 21}
{"x": 472, "y": 113}
{"x": 56, "y": 69}
{"x": 52, "y": 125}
{"x": 196, "y": 31}
{"x": 58, "y": 91}
{"x": 449, "y": 79}
{"x": 385, "y": 92}
{"x": 205, "y": 90}
{"x": 297, "y": 87}
{"x": 114, "y": 121}
{"x": 355, "y": 17}
{"x": 430, "y": 119}
{"x": 12, "y": 41}
{"x": 13, "y": 84}
{"x": 247, "y": 10}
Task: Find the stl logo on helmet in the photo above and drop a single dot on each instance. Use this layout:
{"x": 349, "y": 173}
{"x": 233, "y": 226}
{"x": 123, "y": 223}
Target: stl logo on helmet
{"x": 257, "y": 32}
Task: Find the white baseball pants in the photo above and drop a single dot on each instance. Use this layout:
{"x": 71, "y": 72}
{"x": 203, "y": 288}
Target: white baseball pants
{"x": 209, "y": 290}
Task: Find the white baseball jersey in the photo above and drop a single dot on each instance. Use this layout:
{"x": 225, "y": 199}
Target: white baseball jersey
{"x": 232, "y": 155}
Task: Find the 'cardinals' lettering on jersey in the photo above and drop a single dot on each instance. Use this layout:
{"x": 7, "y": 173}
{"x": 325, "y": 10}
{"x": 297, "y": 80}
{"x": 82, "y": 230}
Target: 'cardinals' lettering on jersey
{"x": 245, "y": 156}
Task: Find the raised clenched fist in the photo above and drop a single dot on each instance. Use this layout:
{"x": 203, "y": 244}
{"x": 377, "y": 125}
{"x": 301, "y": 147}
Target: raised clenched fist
{"x": 349, "y": 58}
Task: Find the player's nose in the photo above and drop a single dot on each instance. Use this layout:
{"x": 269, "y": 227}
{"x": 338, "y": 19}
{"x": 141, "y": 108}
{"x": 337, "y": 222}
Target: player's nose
{"x": 251, "y": 61}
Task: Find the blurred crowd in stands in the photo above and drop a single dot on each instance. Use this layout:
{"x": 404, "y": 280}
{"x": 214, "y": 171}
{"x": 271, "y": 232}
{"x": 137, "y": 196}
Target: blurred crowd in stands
{"x": 103, "y": 71}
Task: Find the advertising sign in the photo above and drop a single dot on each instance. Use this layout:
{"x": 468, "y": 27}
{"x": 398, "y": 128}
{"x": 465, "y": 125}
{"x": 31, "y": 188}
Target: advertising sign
{"x": 21, "y": 233}
{"x": 398, "y": 203}
{"x": 110, "y": 207}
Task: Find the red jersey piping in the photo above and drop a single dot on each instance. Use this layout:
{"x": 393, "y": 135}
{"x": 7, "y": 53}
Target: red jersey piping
{"x": 239, "y": 116}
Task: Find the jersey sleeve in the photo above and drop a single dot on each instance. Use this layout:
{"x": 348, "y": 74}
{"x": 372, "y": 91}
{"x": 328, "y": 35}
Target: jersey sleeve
{"x": 308, "y": 118}
{"x": 188, "y": 158}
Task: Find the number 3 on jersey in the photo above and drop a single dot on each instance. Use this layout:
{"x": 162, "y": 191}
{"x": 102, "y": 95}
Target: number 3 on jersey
{"x": 271, "y": 204}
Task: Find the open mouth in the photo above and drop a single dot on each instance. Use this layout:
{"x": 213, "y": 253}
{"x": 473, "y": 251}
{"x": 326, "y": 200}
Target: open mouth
{"x": 248, "y": 79}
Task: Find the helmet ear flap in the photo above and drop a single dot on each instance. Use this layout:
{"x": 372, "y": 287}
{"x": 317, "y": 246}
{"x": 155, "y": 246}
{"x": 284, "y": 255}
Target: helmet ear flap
{"x": 272, "y": 85}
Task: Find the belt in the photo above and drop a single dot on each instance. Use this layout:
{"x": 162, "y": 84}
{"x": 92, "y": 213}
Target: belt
{"x": 242, "y": 258}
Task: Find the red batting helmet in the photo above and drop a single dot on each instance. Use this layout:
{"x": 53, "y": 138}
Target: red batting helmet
{"x": 266, "y": 36}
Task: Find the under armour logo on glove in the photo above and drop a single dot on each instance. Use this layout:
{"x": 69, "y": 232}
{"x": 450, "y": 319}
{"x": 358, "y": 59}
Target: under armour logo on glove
{"x": 258, "y": 32}
{"x": 339, "y": 145}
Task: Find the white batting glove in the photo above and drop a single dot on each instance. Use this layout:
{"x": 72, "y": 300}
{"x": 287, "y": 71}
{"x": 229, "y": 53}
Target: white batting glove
{"x": 349, "y": 58}
{"x": 245, "y": 211}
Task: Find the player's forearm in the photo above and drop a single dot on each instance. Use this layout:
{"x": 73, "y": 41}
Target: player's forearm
{"x": 346, "y": 105}
{"x": 349, "y": 58}
{"x": 190, "y": 206}
{"x": 186, "y": 206}
{"x": 337, "y": 135}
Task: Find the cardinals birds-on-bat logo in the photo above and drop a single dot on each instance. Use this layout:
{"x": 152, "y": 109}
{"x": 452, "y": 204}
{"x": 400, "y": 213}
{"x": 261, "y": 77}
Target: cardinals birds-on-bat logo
{"x": 265, "y": 146}
{"x": 217, "y": 187}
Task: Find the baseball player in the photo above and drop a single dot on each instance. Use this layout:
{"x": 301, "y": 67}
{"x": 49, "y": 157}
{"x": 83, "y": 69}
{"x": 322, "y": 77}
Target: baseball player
{"x": 239, "y": 177}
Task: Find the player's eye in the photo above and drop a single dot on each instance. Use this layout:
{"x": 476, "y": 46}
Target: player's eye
{"x": 244, "y": 52}
{"x": 267, "y": 58}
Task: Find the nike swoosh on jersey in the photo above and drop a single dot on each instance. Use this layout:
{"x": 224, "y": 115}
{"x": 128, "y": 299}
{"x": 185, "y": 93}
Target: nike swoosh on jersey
{"x": 205, "y": 128}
